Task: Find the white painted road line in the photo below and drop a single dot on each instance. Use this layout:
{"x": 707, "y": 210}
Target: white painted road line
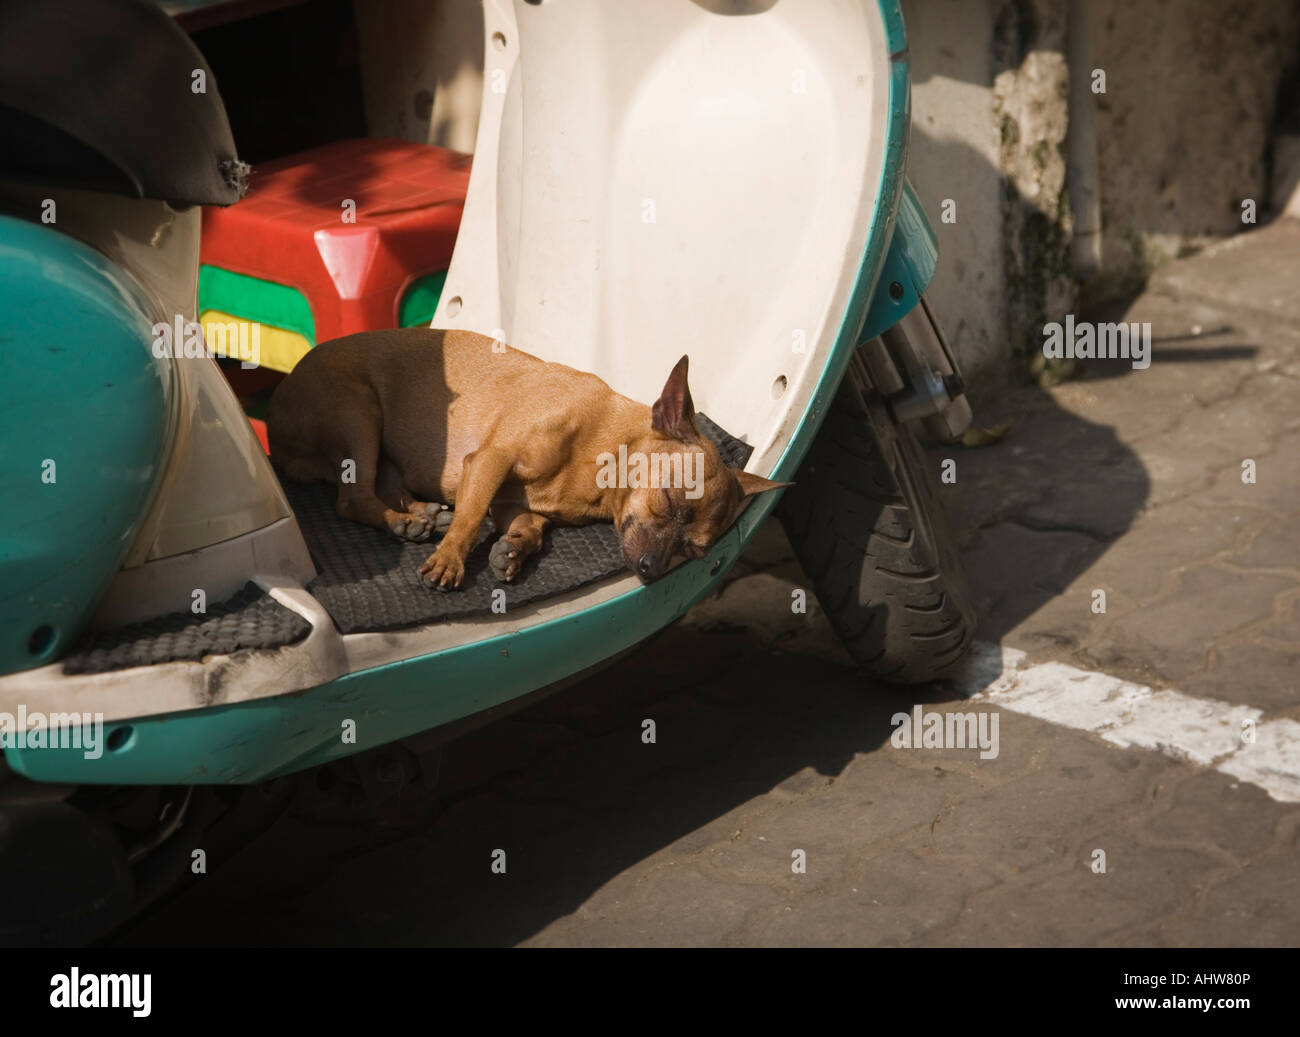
{"x": 1206, "y": 732}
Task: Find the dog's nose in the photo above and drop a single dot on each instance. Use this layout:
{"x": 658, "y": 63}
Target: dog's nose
{"x": 645, "y": 567}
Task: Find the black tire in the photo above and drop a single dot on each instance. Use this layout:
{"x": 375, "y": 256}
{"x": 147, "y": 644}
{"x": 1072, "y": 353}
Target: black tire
{"x": 866, "y": 523}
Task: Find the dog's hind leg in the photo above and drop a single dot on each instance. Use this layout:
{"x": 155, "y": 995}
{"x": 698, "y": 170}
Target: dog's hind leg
{"x": 426, "y": 517}
{"x": 354, "y": 451}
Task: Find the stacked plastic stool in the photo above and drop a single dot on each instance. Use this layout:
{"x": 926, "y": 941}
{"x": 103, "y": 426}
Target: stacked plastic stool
{"x": 352, "y": 236}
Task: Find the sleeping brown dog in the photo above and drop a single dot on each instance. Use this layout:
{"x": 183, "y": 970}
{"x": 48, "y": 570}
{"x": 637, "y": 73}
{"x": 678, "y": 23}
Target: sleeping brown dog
{"x": 404, "y": 422}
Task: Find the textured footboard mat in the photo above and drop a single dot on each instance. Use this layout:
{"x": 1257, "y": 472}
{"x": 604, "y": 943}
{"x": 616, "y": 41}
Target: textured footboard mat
{"x": 250, "y": 619}
{"x": 368, "y": 580}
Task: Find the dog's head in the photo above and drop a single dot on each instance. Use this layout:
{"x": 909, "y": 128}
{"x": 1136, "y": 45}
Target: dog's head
{"x": 679, "y": 497}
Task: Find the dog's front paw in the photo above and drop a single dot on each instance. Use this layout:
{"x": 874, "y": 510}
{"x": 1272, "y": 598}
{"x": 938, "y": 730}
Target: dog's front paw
{"x": 506, "y": 559}
{"x": 443, "y": 569}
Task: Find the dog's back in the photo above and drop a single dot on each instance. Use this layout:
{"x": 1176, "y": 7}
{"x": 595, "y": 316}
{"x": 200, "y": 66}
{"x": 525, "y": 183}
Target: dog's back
{"x": 432, "y": 397}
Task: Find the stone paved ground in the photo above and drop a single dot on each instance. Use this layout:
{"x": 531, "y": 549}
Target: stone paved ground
{"x": 768, "y": 741}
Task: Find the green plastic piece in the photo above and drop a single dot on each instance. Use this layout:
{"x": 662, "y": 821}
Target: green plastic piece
{"x": 420, "y": 301}
{"x": 251, "y": 298}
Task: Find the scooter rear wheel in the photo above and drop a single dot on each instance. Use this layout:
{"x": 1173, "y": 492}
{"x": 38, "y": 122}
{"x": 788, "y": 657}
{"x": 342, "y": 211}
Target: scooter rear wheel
{"x": 866, "y": 523}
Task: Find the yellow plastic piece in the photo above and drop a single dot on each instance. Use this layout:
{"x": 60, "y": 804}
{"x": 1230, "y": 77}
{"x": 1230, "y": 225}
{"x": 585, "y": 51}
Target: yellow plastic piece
{"x": 263, "y": 344}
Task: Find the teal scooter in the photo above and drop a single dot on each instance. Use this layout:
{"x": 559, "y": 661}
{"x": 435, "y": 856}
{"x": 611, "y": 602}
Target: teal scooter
{"x": 182, "y": 633}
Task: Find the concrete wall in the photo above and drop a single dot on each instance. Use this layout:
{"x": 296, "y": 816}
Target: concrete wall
{"x": 1182, "y": 134}
{"x": 954, "y": 154}
{"x": 1183, "y": 129}
{"x": 990, "y": 118}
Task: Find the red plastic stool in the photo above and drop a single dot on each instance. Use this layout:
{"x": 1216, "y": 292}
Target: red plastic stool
{"x": 289, "y": 257}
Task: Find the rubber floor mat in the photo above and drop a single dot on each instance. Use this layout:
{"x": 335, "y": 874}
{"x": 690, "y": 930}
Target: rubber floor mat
{"x": 249, "y": 619}
{"x": 368, "y": 580}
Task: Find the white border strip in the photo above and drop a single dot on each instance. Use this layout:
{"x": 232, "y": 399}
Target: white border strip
{"x": 1205, "y": 732}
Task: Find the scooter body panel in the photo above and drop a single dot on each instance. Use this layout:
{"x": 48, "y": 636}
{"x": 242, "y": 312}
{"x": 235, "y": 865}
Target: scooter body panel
{"x": 82, "y": 443}
{"x": 909, "y": 265}
{"x": 273, "y": 735}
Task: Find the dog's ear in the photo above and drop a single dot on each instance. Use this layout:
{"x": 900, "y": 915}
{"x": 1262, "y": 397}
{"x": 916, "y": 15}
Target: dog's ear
{"x": 673, "y": 413}
{"x": 751, "y": 484}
